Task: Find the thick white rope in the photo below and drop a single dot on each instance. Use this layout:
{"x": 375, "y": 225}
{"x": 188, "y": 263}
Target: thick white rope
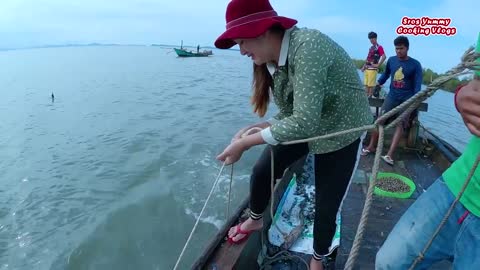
{"x": 198, "y": 219}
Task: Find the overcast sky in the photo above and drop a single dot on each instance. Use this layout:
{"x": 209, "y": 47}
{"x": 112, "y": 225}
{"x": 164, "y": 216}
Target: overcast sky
{"x": 25, "y": 23}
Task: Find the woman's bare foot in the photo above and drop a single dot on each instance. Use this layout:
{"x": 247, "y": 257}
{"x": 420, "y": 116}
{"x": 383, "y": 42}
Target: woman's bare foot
{"x": 246, "y": 226}
{"x": 316, "y": 265}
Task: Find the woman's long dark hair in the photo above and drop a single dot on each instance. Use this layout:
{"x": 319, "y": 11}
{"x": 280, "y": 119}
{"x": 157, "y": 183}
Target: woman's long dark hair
{"x": 263, "y": 81}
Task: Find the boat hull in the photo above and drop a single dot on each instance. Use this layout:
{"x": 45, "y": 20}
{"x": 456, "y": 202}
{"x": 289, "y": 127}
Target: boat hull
{"x": 184, "y": 53}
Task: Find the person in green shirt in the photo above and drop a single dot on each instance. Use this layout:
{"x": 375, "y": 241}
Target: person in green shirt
{"x": 459, "y": 239}
{"x": 317, "y": 89}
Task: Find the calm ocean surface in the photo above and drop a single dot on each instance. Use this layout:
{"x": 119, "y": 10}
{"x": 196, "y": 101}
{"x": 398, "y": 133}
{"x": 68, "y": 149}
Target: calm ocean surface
{"x": 114, "y": 172}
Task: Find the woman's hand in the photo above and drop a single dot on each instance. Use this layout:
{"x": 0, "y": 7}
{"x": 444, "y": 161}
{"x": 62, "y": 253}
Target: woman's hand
{"x": 239, "y": 134}
{"x": 243, "y": 140}
{"x": 250, "y": 130}
{"x": 233, "y": 152}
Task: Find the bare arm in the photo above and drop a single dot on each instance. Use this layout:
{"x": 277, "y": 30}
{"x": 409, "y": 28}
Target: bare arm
{"x": 385, "y": 75}
{"x": 382, "y": 59}
{"x": 261, "y": 125}
{"x": 467, "y": 101}
{"x": 251, "y": 129}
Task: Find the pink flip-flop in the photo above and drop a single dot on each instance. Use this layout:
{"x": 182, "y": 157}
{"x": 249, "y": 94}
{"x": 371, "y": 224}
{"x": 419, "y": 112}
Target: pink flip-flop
{"x": 238, "y": 230}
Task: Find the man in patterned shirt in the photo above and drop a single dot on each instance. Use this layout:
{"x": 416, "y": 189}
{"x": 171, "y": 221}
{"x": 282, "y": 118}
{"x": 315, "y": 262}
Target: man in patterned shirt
{"x": 375, "y": 58}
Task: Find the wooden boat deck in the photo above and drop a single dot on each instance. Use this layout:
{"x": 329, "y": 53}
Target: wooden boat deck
{"x": 423, "y": 165}
{"x": 385, "y": 212}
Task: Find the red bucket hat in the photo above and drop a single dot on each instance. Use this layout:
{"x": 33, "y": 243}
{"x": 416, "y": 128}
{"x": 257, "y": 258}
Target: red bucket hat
{"x": 249, "y": 19}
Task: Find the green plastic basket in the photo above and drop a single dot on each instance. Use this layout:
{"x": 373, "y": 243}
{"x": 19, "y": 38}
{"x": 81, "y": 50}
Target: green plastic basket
{"x": 399, "y": 195}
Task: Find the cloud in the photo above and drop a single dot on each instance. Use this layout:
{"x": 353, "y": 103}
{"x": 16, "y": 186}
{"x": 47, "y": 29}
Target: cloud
{"x": 31, "y": 22}
{"x": 297, "y": 10}
{"x": 111, "y": 21}
{"x": 464, "y": 15}
{"x": 341, "y": 25}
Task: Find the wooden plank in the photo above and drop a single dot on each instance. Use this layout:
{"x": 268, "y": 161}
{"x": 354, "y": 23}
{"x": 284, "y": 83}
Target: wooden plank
{"x": 423, "y": 172}
{"x": 378, "y": 102}
{"x": 385, "y": 212}
{"x": 226, "y": 257}
{"x": 218, "y": 250}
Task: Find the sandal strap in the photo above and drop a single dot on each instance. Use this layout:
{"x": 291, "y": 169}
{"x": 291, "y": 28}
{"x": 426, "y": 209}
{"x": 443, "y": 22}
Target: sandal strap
{"x": 322, "y": 258}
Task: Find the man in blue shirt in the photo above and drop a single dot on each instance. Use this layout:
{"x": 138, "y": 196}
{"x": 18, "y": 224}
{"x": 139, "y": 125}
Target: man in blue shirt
{"x": 405, "y": 81}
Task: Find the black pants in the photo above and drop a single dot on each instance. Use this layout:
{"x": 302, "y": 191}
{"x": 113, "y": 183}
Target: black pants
{"x": 333, "y": 172}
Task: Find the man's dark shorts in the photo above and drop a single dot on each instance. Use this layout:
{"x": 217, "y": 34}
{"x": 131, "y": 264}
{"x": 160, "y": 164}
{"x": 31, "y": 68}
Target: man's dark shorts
{"x": 389, "y": 104}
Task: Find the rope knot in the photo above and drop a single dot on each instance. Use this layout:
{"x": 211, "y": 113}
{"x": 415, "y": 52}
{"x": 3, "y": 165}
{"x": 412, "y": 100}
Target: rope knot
{"x": 421, "y": 257}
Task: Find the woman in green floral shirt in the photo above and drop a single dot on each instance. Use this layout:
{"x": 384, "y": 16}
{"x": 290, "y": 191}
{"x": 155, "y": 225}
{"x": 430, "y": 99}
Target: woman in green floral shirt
{"x": 317, "y": 90}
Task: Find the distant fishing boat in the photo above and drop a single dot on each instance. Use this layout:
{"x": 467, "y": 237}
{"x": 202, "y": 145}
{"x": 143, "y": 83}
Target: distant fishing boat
{"x": 184, "y": 53}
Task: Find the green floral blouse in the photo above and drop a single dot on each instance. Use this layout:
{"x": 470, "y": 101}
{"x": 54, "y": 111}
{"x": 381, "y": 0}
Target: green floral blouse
{"x": 318, "y": 91}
